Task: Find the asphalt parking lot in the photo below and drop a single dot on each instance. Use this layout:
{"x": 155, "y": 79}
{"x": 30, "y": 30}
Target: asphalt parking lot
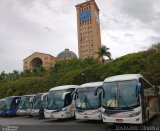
{"x": 34, "y": 124}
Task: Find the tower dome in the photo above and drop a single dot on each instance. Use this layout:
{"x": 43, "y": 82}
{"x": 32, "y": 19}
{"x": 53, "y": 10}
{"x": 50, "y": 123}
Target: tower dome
{"x": 66, "y": 54}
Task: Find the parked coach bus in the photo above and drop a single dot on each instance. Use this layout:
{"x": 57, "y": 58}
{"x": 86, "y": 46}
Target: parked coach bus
{"x": 128, "y": 99}
{"x": 25, "y": 106}
{"x": 60, "y": 102}
{"x": 88, "y": 101}
{"x": 11, "y": 105}
{"x": 36, "y": 104}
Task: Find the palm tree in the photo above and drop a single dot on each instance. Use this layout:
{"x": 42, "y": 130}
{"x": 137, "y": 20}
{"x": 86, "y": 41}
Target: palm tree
{"x": 103, "y": 51}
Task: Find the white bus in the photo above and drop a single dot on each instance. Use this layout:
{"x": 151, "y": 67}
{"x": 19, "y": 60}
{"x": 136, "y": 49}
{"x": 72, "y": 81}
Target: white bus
{"x": 60, "y": 102}
{"x": 25, "y": 106}
{"x": 36, "y": 104}
{"x": 88, "y": 101}
{"x": 128, "y": 98}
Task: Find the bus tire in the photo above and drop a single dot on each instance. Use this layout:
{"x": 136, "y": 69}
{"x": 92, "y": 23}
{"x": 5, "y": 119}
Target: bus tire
{"x": 74, "y": 117}
{"x": 30, "y": 115}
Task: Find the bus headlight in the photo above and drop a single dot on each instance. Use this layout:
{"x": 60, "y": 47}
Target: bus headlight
{"x": 135, "y": 114}
{"x": 64, "y": 109}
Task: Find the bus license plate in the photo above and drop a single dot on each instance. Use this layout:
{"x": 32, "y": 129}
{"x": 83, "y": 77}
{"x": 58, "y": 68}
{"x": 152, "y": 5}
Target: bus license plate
{"x": 85, "y": 117}
{"x": 119, "y": 120}
{"x": 52, "y": 116}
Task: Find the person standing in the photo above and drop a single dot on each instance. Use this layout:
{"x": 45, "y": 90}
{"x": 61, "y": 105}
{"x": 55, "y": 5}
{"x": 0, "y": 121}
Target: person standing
{"x": 41, "y": 114}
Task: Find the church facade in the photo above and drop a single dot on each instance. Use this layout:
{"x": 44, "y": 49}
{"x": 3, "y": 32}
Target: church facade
{"x": 39, "y": 60}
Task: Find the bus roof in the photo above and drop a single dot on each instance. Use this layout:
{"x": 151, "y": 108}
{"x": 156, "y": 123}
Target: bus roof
{"x": 3, "y": 99}
{"x": 9, "y": 97}
{"x": 63, "y": 87}
{"x": 44, "y": 94}
{"x": 13, "y": 96}
{"x": 123, "y": 77}
{"x": 38, "y": 94}
{"x": 29, "y": 95}
{"x": 92, "y": 84}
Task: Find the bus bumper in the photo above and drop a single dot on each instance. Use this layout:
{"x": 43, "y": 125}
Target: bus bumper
{"x": 131, "y": 120}
{"x": 88, "y": 116}
{"x": 34, "y": 112}
{"x": 9, "y": 113}
{"x": 57, "y": 115}
{"x": 24, "y": 112}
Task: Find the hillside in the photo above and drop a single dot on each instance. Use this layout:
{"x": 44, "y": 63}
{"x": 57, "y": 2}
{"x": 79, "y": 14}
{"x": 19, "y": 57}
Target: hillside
{"x": 76, "y": 71}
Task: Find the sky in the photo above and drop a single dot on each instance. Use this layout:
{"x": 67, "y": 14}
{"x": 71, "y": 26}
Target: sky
{"x": 49, "y": 26}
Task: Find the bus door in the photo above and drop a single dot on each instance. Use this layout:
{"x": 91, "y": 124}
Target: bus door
{"x": 144, "y": 102}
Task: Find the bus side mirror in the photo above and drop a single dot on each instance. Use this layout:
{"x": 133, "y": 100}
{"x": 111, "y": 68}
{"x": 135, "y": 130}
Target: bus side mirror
{"x": 47, "y": 99}
{"x": 74, "y": 95}
{"x": 138, "y": 89}
{"x": 42, "y": 98}
{"x": 17, "y": 101}
{"x": 64, "y": 94}
{"x": 96, "y": 90}
{"x": 103, "y": 93}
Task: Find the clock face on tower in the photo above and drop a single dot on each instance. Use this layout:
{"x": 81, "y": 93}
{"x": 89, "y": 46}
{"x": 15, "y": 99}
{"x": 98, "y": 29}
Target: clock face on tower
{"x": 85, "y": 15}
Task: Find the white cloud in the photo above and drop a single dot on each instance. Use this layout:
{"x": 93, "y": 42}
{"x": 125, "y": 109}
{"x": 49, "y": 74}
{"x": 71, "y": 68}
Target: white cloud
{"x": 50, "y": 26}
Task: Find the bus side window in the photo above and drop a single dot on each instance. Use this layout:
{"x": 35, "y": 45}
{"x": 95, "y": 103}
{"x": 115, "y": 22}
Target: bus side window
{"x": 68, "y": 99}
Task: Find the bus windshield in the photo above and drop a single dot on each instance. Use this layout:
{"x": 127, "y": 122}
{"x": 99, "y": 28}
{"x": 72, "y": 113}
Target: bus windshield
{"x": 86, "y": 99}
{"x": 7, "y": 104}
{"x": 37, "y": 102}
{"x": 24, "y": 103}
{"x": 120, "y": 94}
{"x": 55, "y": 99}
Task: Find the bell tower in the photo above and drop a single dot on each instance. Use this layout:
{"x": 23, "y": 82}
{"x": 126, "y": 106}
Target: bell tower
{"x": 88, "y": 29}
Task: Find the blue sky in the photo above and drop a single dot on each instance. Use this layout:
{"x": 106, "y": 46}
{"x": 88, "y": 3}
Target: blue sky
{"x": 49, "y": 26}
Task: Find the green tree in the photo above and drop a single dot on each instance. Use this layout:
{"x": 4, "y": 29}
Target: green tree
{"x": 78, "y": 71}
{"x": 15, "y": 74}
{"x": 2, "y": 76}
{"x": 103, "y": 51}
